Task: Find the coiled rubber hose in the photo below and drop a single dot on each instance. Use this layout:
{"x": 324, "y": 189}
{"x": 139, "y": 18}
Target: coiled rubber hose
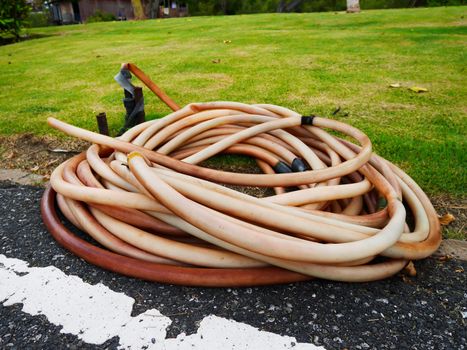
{"x": 336, "y": 210}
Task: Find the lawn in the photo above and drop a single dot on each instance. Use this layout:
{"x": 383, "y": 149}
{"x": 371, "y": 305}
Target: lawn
{"x": 313, "y": 63}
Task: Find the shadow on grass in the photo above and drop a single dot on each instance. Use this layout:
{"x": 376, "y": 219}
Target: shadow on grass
{"x": 10, "y": 39}
{"x": 428, "y": 30}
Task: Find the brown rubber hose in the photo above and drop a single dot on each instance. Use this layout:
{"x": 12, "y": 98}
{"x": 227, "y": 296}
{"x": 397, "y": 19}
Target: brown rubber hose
{"x": 337, "y": 212}
{"x": 187, "y": 276}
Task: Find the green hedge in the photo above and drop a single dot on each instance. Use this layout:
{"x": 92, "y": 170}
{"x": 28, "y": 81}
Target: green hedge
{"x": 38, "y": 19}
{"x": 100, "y": 16}
{"x": 231, "y": 7}
{"x": 13, "y": 13}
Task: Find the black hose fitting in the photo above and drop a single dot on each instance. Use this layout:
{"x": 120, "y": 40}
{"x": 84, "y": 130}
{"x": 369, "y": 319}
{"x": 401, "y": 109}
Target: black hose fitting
{"x": 299, "y": 165}
{"x": 281, "y": 168}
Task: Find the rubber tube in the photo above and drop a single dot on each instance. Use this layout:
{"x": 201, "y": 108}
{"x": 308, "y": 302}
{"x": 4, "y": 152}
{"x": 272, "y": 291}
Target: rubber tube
{"x": 146, "y": 195}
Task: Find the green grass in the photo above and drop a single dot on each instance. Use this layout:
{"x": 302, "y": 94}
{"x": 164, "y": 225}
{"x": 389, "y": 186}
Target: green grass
{"x": 454, "y": 234}
{"x": 308, "y": 62}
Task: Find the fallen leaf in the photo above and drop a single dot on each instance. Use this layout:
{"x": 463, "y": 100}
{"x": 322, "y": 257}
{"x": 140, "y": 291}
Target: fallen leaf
{"x": 444, "y": 258}
{"x": 395, "y": 85}
{"x": 10, "y": 155}
{"x": 410, "y": 270}
{"x": 459, "y": 270}
{"x": 446, "y": 219}
{"x": 216, "y": 60}
{"x": 227, "y": 41}
{"x": 418, "y": 89}
{"x": 36, "y": 168}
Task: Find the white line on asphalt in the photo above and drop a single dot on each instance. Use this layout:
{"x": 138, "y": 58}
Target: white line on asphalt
{"x": 95, "y": 313}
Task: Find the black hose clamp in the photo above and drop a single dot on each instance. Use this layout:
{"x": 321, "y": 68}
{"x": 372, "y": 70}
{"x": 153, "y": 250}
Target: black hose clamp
{"x": 308, "y": 119}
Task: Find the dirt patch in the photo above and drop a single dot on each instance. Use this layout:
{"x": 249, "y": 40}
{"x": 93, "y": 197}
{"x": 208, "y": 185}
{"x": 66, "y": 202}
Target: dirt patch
{"x": 20, "y": 177}
{"x": 243, "y": 166}
{"x": 37, "y": 154}
{"x": 41, "y": 154}
{"x": 452, "y": 249}
{"x": 457, "y": 208}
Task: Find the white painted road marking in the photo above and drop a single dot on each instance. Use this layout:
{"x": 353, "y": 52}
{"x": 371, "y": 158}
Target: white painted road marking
{"x": 95, "y": 313}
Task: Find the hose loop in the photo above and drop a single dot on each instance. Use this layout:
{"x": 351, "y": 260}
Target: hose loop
{"x": 161, "y": 215}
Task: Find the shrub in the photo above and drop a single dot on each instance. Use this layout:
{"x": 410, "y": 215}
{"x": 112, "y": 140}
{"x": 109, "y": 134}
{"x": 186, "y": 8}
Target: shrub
{"x": 100, "y": 16}
{"x": 13, "y": 14}
{"x": 445, "y": 2}
{"x": 38, "y": 19}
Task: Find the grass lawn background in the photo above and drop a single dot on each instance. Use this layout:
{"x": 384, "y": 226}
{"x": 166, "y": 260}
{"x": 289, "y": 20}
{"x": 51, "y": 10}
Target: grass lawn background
{"x": 312, "y": 63}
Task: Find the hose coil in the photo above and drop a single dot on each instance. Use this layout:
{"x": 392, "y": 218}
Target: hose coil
{"x": 336, "y": 210}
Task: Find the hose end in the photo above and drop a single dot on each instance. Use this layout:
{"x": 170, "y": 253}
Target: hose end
{"x": 299, "y": 165}
{"x": 281, "y": 168}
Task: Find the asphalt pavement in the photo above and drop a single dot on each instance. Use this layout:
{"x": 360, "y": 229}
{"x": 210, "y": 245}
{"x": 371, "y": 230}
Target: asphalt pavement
{"x": 422, "y": 312}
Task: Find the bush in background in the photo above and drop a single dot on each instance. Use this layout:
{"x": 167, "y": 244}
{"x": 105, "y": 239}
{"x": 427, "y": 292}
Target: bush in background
{"x": 100, "y": 16}
{"x": 445, "y": 2}
{"x": 13, "y": 14}
{"x": 386, "y": 4}
{"x": 38, "y": 19}
{"x": 232, "y": 7}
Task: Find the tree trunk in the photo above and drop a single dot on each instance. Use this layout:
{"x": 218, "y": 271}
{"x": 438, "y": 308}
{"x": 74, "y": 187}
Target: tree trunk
{"x": 154, "y": 8}
{"x": 288, "y": 6}
{"x": 280, "y": 6}
{"x": 138, "y": 10}
{"x": 291, "y": 6}
{"x": 224, "y": 7}
{"x": 353, "y": 6}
